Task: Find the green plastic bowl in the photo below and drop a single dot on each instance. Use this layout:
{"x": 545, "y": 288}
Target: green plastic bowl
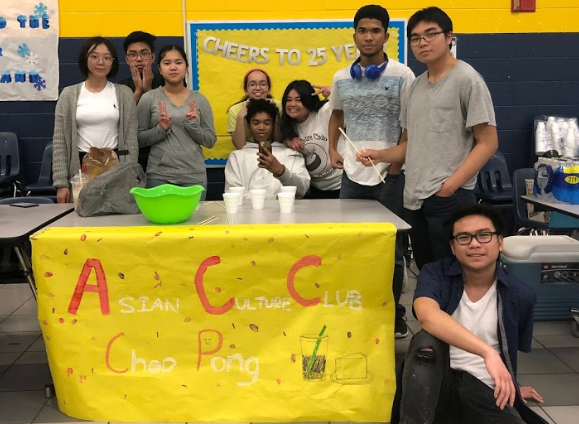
{"x": 167, "y": 203}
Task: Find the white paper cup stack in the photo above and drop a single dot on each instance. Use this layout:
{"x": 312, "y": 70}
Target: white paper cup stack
{"x": 231, "y": 201}
{"x": 240, "y": 190}
{"x": 257, "y": 198}
{"x": 289, "y": 189}
{"x": 286, "y": 201}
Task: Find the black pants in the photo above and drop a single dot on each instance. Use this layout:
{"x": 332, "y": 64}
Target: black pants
{"x": 429, "y": 243}
{"x": 431, "y": 392}
{"x": 316, "y": 193}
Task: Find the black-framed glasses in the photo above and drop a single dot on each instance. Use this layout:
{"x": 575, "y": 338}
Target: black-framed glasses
{"x": 429, "y": 36}
{"x": 144, "y": 54}
{"x": 466, "y": 239}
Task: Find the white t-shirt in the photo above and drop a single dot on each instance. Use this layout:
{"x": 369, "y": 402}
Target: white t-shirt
{"x": 97, "y": 118}
{"x": 481, "y": 319}
{"x": 313, "y": 133}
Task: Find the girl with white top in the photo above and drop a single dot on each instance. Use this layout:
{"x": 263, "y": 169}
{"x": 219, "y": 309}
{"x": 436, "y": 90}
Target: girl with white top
{"x": 304, "y": 128}
{"x": 94, "y": 113}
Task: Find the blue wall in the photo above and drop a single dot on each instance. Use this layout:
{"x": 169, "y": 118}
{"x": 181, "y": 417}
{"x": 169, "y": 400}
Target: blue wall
{"x": 527, "y": 74}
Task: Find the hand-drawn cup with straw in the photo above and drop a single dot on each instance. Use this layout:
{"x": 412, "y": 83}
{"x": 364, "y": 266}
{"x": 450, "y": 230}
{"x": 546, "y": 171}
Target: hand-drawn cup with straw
{"x": 314, "y": 351}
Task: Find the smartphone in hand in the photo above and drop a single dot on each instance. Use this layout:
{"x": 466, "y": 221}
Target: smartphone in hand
{"x": 264, "y": 145}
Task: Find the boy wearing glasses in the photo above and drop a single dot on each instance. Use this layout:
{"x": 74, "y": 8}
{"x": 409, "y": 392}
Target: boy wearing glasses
{"x": 475, "y": 318}
{"x": 139, "y": 49}
{"x": 450, "y": 134}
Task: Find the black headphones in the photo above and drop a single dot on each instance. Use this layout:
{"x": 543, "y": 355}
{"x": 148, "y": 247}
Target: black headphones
{"x": 372, "y": 72}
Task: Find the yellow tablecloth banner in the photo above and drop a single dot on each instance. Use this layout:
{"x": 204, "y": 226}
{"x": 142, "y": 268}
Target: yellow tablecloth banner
{"x": 248, "y": 323}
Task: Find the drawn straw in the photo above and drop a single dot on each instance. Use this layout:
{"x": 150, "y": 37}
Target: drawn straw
{"x": 354, "y": 146}
{"x": 315, "y": 351}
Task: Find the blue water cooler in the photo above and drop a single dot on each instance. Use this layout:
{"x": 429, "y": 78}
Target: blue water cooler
{"x": 550, "y": 265}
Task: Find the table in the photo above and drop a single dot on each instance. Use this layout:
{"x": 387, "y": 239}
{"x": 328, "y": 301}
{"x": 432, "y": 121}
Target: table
{"x": 306, "y": 211}
{"x": 233, "y": 320}
{"x": 17, "y": 224}
{"x": 565, "y": 208}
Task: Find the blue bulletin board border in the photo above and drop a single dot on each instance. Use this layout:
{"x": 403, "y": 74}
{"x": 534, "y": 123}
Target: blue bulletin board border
{"x": 193, "y": 27}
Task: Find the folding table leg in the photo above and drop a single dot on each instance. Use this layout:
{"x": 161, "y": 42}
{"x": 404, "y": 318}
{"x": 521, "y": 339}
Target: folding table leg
{"x": 26, "y": 265}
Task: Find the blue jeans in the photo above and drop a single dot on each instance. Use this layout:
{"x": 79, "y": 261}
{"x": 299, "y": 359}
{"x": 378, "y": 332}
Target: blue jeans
{"x": 429, "y": 243}
{"x": 389, "y": 195}
{"x": 154, "y": 183}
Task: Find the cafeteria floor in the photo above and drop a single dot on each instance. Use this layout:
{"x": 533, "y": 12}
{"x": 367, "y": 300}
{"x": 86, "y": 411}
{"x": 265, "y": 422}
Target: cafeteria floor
{"x": 552, "y": 367}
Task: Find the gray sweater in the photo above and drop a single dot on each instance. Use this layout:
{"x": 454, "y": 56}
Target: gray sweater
{"x": 65, "y": 161}
{"x": 176, "y": 155}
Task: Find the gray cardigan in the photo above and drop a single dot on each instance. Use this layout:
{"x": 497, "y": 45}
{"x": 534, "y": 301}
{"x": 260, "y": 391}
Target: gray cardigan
{"x": 65, "y": 161}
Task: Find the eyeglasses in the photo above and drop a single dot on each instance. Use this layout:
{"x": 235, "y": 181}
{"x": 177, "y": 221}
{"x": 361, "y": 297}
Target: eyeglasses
{"x": 429, "y": 36}
{"x": 466, "y": 239}
{"x": 261, "y": 84}
{"x": 144, "y": 55}
{"x": 95, "y": 58}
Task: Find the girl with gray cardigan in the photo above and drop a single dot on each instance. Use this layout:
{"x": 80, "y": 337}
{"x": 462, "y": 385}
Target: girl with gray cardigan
{"x": 175, "y": 121}
{"x": 94, "y": 113}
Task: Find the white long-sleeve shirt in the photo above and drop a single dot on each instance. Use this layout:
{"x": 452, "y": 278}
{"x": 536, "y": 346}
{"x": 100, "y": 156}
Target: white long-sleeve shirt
{"x": 242, "y": 170}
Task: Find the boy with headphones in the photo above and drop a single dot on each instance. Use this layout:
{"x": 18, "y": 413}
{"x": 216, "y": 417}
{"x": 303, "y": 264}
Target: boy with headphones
{"x": 366, "y": 100}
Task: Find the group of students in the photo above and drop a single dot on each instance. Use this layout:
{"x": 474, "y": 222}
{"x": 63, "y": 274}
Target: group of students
{"x": 171, "y": 121}
{"x": 155, "y": 119}
{"x": 417, "y": 145}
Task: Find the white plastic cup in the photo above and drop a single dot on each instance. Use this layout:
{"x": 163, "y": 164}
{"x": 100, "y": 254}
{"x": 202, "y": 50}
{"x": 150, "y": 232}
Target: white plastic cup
{"x": 289, "y": 189}
{"x": 231, "y": 201}
{"x": 77, "y": 182}
{"x": 240, "y": 190}
{"x": 257, "y": 198}
{"x": 286, "y": 201}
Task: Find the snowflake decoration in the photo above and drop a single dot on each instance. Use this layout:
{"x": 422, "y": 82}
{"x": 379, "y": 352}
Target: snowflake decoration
{"x": 23, "y": 50}
{"x": 40, "y": 84}
{"x": 32, "y": 59}
{"x": 40, "y": 9}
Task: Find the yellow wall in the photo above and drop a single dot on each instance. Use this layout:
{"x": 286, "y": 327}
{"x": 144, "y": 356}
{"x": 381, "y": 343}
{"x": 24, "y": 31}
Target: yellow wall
{"x": 116, "y": 18}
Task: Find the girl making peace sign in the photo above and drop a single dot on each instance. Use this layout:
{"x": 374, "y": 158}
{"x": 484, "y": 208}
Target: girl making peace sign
{"x": 175, "y": 121}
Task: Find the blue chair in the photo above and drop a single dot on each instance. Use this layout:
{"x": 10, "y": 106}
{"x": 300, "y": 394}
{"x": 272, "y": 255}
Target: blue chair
{"x": 493, "y": 181}
{"x": 10, "y": 163}
{"x": 44, "y": 183}
{"x": 522, "y": 221}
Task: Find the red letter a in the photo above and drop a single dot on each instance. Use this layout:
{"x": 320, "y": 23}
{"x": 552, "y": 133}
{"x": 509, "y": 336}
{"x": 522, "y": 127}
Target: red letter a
{"x": 81, "y": 287}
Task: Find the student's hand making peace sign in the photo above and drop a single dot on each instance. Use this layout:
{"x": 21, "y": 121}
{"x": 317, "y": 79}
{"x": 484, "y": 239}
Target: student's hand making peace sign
{"x": 165, "y": 120}
{"x": 193, "y": 114}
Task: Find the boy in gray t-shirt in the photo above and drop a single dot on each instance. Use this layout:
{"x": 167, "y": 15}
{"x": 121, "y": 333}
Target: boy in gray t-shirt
{"x": 450, "y": 133}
